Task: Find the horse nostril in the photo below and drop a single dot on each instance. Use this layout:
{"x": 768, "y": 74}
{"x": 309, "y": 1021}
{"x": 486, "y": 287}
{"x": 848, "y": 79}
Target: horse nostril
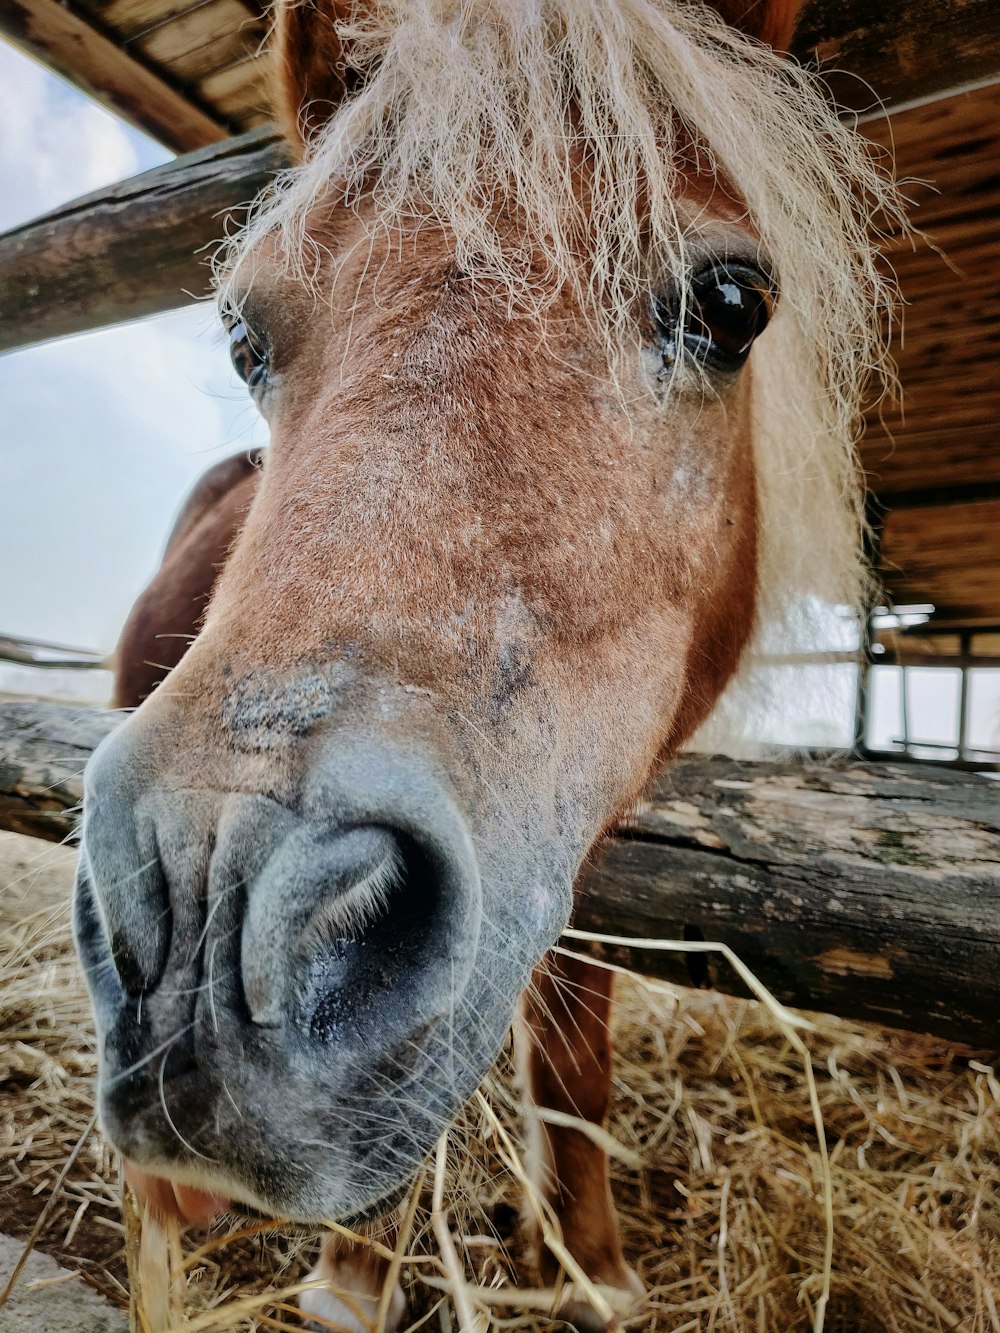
{"x": 137, "y": 972}
{"x": 370, "y": 965}
{"x": 317, "y": 891}
{"x": 341, "y": 928}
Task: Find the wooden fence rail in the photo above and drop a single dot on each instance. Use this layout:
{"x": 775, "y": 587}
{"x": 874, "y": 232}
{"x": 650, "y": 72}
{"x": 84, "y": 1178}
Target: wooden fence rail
{"x": 868, "y": 890}
{"x": 134, "y": 249}
{"x": 48, "y": 656}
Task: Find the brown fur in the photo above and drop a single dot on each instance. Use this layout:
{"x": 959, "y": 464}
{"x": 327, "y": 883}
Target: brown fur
{"x": 771, "y": 21}
{"x": 312, "y": 74}
{"x": 465, "y": 459}
{"x": 169, "y": 612}
{"x": 570, "y": 1071}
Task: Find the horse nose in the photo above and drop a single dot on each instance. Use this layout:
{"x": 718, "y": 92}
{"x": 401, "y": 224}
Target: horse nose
{"x": 336, "y": 907}
{"x": 296, "y": 960}
{"x": 121, "y": 873}
{"x": 365, "y": 905}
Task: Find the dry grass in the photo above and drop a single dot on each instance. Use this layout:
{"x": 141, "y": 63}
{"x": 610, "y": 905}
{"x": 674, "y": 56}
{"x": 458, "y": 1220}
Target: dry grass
{"x": 718, "y": 1177}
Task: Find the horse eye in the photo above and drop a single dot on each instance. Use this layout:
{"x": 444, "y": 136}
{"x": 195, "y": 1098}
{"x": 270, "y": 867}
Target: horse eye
{"x": 728, "y": 307}
{"x": 247, "y": 354}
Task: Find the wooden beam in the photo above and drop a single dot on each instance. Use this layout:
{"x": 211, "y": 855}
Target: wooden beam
{"x": 48, "y": 656}
{"x": 43, "y": 750}
{"x": 954, "y": 661}
{"x": 947, "y": 555}
{"x": 877, "y": 55}
{"x": 132, "y": 250}
{"x": 933, "y": 497}
{"x": 868, "y": 890}
{"x": 60, "y": 38}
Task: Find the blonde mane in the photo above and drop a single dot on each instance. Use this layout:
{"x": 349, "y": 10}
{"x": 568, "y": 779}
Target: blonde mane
{"x": 458, "y": 102}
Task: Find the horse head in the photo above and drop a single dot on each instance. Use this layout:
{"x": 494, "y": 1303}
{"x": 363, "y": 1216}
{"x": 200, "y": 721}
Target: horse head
{"x": 556, "y": 324}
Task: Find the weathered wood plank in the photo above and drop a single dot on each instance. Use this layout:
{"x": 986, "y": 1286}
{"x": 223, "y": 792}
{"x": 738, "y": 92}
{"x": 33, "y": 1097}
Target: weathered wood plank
{"x": 886, "y": 53}
{"x": 208, "y": 36}
{"x": 948, "y": 555}
{"x": 43, "y": 750}
{"x": 48, "y": 656}
{"x": 867, "y": 890}
{"x": 67, "y": 43}
{"x": 132, "y": 250}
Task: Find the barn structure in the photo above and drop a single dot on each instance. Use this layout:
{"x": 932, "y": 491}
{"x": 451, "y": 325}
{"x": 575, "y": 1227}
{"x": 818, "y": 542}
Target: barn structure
{"x": 924, "y": 80}
{"x": 864, "y": 886}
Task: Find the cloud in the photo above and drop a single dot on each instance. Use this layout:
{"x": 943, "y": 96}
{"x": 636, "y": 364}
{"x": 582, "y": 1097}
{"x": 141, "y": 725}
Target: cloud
{"x": 101, "y": 435}
{"x": 56, "y": 144}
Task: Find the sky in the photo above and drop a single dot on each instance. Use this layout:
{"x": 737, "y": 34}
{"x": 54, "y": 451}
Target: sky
{"x": 102, "y": 434}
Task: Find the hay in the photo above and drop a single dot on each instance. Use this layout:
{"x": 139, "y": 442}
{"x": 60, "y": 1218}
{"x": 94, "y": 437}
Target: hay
{"x": 723, "y": 1218}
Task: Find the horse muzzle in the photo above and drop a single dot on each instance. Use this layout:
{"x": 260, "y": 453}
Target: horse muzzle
{"x": 288, "y": 1002}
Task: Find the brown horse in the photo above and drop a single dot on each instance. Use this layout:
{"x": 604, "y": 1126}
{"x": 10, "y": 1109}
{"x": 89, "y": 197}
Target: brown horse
{"x": 559, "y": 326}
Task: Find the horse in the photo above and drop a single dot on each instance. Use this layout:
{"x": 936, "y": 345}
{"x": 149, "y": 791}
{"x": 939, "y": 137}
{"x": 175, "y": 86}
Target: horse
{"x": 560, "y": 323}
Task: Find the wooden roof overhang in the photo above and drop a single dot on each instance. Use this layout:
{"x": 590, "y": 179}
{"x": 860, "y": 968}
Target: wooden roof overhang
{"x": 933, "y": 456}
{"x": 194, "y": 73}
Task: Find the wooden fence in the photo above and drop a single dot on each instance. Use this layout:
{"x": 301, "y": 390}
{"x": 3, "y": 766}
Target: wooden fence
{"x": 868, "y": 890}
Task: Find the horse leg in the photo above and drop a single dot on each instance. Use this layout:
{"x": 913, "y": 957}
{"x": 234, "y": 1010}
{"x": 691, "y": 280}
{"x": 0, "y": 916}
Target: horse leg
{"x": 355, "y": 1275}
{"x": 569, "y": 1071}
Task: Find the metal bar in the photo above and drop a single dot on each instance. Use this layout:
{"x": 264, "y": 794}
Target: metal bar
{"x": 965, "y": 643}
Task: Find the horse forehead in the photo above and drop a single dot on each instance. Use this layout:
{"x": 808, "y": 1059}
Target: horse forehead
{"x": 402, "y": 342}
{"x": 416, "y": 373}
{"x": 405, "y": 362}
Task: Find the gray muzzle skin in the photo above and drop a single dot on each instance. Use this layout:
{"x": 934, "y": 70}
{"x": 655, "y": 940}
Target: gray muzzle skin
{"x": 293, "y": 1000}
